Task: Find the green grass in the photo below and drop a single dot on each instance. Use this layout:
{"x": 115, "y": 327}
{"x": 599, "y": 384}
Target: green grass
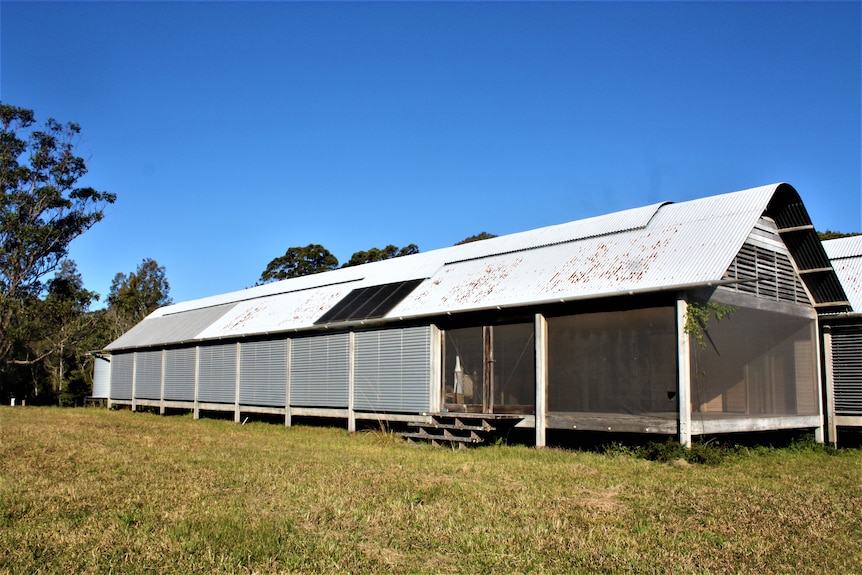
{"x": 96, "y": 491}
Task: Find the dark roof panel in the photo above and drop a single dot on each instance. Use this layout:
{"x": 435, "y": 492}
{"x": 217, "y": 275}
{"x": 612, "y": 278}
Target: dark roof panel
{"x": 369, "y": 302}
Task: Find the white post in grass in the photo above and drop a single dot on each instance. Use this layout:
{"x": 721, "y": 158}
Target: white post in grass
{"x": 828, "y": 406}
{"x": 236, "y": 412}
{"x": 162, "y": 384}
{"x": 287, "y": 420}
{"x": 197, "y": 409}
{"x": 684, "y": 372}
{"x": 351, "y": 416}
{"x": 541, "y": 409}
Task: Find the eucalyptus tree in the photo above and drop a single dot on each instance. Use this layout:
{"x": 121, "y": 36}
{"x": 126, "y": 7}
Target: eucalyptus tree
{"x": 42, "y": 209}
{"x": 299, "y": 261}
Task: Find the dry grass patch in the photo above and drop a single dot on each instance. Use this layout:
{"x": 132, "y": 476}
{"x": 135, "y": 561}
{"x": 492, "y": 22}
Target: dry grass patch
{"x": 96, "y": 491}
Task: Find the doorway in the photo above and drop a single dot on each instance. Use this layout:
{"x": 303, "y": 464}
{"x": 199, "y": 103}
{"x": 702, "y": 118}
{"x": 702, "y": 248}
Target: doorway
{"x": 490, "y": 369}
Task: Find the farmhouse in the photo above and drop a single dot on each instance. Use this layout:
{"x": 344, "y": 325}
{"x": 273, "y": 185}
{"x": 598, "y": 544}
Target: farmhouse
{"x": 842, "y": 340}
{"x": 686, "y": 319}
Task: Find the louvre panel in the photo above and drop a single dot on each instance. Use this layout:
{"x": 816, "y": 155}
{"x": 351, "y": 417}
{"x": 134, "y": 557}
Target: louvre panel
{"x": 217, "y": 374}
{"x": 263, "y": 372}
{"x": 319, "y": 371}
{"x": 102, "y": 377}
{"x": 148, "y": 375}
{"x": 122, "y": 372}
{"x": 392, "y": 370}
{"x": 847, "y": 369}
{"x": 777, "y": 278}
{"x": 180, "y": 374}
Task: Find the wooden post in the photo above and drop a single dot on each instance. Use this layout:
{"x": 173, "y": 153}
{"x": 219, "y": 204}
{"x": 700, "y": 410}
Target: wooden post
{"x": 541, "y": 409}
{"x": 683, "y": 372}
{"x": 287, "y": 420}
{"x": 236, "y": 413}
{"x": 134, "y": 380}
{"x": 162, "y": 389}
{"x": 351, "y": 357}
{"x": 197, "y": 409}
{"x": 436, "y": 392}
{"x": 829, "y": 391}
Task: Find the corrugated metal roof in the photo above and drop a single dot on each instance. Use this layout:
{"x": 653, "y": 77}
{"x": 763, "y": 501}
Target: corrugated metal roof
{"x": 846, "y": 257}
{"x": 170, "y": 328}
{"x": 660, "y": 246}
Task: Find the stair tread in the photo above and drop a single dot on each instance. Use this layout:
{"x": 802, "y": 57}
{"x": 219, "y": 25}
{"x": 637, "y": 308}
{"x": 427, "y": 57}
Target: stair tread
{"x": 435, "y": 437}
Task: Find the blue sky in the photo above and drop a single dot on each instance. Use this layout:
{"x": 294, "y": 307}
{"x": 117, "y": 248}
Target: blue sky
{"x": 231, "y": 131}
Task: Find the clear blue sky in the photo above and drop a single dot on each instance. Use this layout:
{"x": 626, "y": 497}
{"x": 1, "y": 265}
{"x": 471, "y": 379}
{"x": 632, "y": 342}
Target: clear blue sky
{"x": 232, "y": 131}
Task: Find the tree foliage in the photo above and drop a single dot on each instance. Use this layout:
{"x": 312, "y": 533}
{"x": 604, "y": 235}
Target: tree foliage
{"x": 42, "y": 209}
{"x": 135, "y": 296}
{"x": 51, "y": 338}
{"x": 377, "y": 254}
{"x": 299, "y": 261}
{"x": 475, "y": 238}
{"x": 830, "y": 235}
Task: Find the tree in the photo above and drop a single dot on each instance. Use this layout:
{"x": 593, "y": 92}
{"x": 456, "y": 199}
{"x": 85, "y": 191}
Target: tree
{"x": 299, "y": 261}
{"x": 376, "y": 254}
{"x": 134, "y": 297}
{"x": 830, "y": 235}
{"x": 42, "y": 208}
{"x": 478, "y": 237}
{"x": 51, "y": 339}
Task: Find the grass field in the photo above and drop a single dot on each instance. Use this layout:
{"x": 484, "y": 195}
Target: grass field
{"x": 97, "y": 491}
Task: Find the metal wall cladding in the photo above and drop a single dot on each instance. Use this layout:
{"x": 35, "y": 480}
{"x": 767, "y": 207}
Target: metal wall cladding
{"x": 392, "y": 370}
{"x": 122, "y": 373}
{"x": 102, "y": 377}
{"x": 846, "y": 257}
{"x": 217, "y": 374}
{"x": 148, "y": 375}
{"x": 263, "y": 373}
{"x": 319, "y": 371}
{"x": 847, "y": 369}
{"x": 180, "y": 374}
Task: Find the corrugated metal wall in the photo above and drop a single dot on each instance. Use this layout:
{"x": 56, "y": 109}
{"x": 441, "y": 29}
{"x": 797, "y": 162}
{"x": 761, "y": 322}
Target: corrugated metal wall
{"x": 102, "y": 377}
{"x": 122, "y": 372}
{"x": 180, "y": 374}
{"x": 217, "y": 373}
{"x": 847, "y": 369}
{"x": 148, "y": 375}
{"x": 392, "y": 370}
{"x": 263, "y": 373}
{"x": 319, "y": 371}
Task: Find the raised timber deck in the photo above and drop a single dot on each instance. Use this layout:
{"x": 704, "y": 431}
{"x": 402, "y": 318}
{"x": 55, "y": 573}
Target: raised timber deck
{"x": 462, "y": 429}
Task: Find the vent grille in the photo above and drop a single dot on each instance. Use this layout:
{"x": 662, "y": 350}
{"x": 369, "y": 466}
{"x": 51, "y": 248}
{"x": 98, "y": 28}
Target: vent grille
{"x": 148, "y": 375}
{"x": 180, "y": 374}
{"x": 263, "y": 373}
{"x": 847, "y": 369}
{"x": 393, "y": 370}
{"x": 319, "y": 371}
{"x": 766, "y": 274}
{"x": 122, "y": 372}
{"x": 217, "y": 383}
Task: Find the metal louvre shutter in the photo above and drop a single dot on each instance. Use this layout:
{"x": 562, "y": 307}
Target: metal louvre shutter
{"x": 847, "y": 369}
{"x": 122, "y": 372}
{"x": 319, "y": 371}
{"x": 148, "y": 375}
{"x": 217, "y": 374}
{"x": 180, "y": 374}
{"x": 392, "y": 370}
{"x": 102, "y": 377}
{"x": 263, "y": 372}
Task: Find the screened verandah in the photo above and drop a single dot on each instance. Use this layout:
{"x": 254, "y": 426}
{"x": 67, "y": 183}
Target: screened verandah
{"x": 619, "y": 370}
